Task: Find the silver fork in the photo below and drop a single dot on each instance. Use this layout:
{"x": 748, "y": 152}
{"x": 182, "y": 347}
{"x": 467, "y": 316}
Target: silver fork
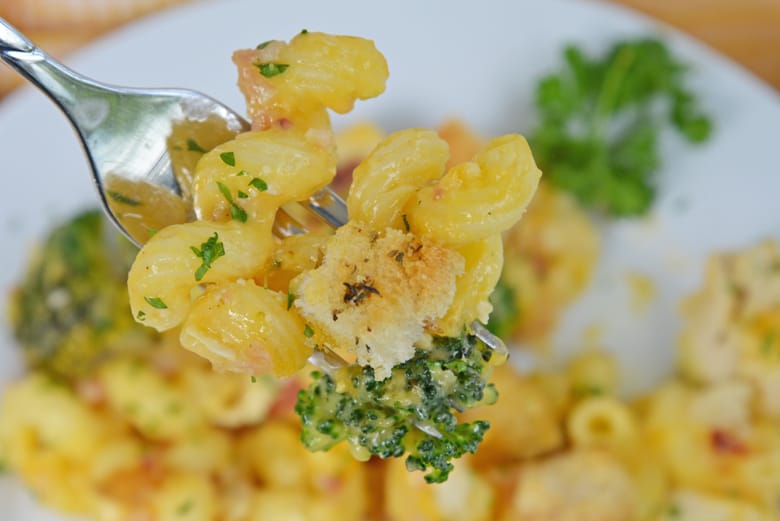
{"x": 125, "y": 132}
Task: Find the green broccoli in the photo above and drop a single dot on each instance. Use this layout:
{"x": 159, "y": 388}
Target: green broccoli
{"x": 71, "y": 309}
{"x": 505, "y": 314}
{"x": 412, "y": 412}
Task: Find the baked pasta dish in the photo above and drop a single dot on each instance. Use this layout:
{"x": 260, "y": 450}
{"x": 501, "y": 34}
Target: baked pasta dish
{"x": 197, "y": 400}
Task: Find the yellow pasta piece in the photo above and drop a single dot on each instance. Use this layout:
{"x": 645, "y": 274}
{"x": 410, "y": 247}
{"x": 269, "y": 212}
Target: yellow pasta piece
{"x": 282, "y": 504}
{"x": 242, "y": 327}
{"x": 465, "y": 496}
{"x": 519, "y": 429}
{"x": 385, "y": 180}
{"x": 257, "y": 172}
{"x": 477, "y": 199}
{"x": 204, "y": 451}
{"x": 186, "y": 497}
{"x": 292, "y": 83}
{"x": 603, "y": 422}
{"x": 274, "y": 454}
{"x": 592, "y": 373}
{"x": 230, "y": 400}
{"x": 40, "y": 412}
{"x": 165, "y": 271}
{"x": 147, "y": 401}
{"x": 119, "y": 454}
{"x": 484, "y": 261}
{"x": 581, "y": 485}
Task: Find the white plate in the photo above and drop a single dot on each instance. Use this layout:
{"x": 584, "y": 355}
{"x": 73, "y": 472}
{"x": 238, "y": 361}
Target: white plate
{"x": 476, "y": 60}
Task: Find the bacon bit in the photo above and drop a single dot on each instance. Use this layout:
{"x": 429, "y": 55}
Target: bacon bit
{"x": 725, "y": 442}
{"x": 286, "y": 398}
{"x": 328, "y": 484}
{"x": 343, "y": 179}
{"x": 91, "y": 390}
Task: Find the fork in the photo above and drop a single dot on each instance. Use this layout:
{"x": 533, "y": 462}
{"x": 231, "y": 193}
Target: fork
{"x": 125, "y": 133}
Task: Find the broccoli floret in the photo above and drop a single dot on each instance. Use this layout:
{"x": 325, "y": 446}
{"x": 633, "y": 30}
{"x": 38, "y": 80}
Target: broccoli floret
{"x": 503, "y": 319}
{"x": 71, "y": 309}
{"x": 396, "y": 416}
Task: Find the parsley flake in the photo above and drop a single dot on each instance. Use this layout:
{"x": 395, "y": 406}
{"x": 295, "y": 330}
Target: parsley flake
{"x": 269, "y": 70}
{"x": 141, "y": 316}
{"x": 229, "y": 158}
{"x": 193, "y": 146}
{"x": 185, "y": 507}
{"x": 122, "y": 198}
{"x": 258, "y": 183}
{"x": 236, "y": 212}
{"x": 242, "y": 195}
{"x": 290, "y": 299}
{"x": 254, "y": 379}
{"x": 209, "y": 251}
{"x": 308, "y": 332}
{"x": 406, "y": 222}
{"x": 156, "y": 302}
{"x": 768, "y": 343}
{"x": 263, "y": 45}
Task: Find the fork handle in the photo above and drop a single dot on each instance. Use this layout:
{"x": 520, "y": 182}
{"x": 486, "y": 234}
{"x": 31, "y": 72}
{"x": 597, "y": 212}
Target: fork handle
{"x": 12, "y": 40}
{"x": 65, "y": 87}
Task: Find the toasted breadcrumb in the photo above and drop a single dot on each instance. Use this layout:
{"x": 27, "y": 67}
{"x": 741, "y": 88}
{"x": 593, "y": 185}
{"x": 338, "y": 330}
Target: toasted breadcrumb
{"x": 378, "y": 305}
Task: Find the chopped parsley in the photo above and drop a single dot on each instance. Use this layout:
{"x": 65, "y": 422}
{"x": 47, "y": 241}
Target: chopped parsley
{"x": 193, "y": 146}
{"x": 308, "y": 332}
{"x": 141, "y": 316}
{"x": 122, "y": 198}
{"x": 767, "y": 343}
{"x": 406, "y": 223}
{"x": 290, "y": 299}
{"x": 269, "y": 70}
{"x": 258, "y": 183}
{"x": 253, "y": 378}
{"x": 243, "y": 195}
{"x": 209, "y": 251}
{"x": 156, "y": 302}
{"x": 236, "y": 212}
{"x": 229, "y": 158}
{"x": 263, "y": 45}
{"x": 304, "y": 31}
{"x": 242, "y": 172}
{"x": 185, "y": 507}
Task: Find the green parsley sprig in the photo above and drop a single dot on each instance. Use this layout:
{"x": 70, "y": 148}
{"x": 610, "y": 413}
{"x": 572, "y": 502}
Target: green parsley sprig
{"x": 209, "y": 252}
{"x": 600, "y": 119}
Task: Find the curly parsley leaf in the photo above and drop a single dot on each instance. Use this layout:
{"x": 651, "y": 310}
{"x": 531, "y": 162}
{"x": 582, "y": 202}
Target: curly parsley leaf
{"x": 600, "y": 119}
{"x": 209, "y": 251}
